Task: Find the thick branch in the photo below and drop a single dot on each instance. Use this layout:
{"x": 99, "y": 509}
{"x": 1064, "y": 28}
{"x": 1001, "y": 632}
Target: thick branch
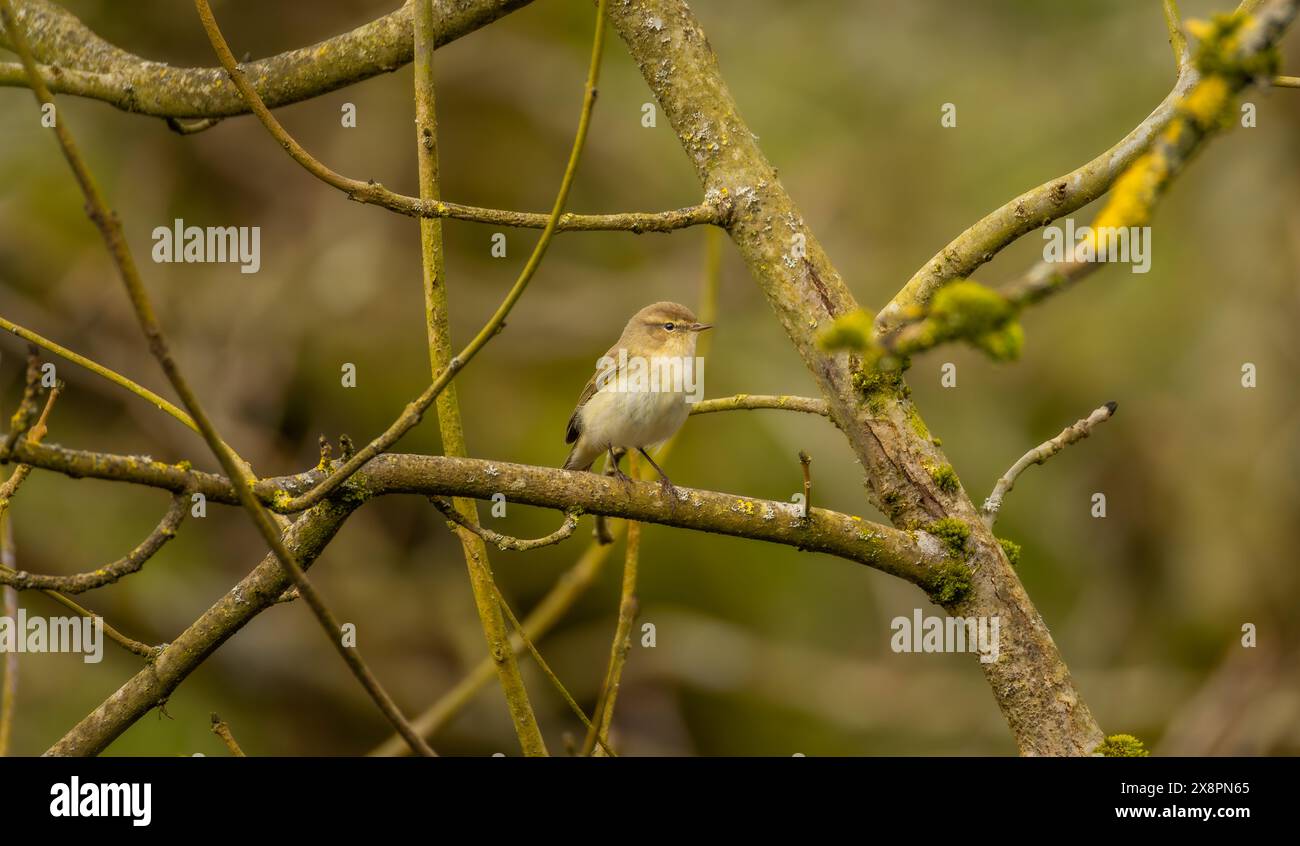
{"x": 917, "y": 560}
{"x": 76, "y": 61}
{"x": 152, "y": 685}
{"x": 1030, "y": 681}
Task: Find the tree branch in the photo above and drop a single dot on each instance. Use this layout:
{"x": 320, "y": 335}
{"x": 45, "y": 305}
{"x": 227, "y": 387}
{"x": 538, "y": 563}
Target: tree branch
{"x": 152, "y": 685}
{"x": 109, "y": 573}
{"x": 571, "y": 585}
{"x": 808, "y": 405}
{"x": 603, "y": 715}
{"x": 914, "y": 559}
{"x": 1031, "y": 683}
{"x": 76, "y": 61}
{"x": 1075, "y": 432}
{"x": 1204, "y": 110}
{"x": 506, "y": 541}
{"x": 1037, "y": 207}
{"x": 1177, "y": 40}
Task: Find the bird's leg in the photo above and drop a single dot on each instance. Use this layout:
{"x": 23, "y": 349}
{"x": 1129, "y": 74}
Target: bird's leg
{"x": 618, "y": 471}
{"x": 664, "y": 481}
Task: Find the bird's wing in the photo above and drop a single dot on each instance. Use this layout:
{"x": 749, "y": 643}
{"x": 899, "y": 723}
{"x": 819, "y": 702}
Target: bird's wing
{"x": 574, "y": 428}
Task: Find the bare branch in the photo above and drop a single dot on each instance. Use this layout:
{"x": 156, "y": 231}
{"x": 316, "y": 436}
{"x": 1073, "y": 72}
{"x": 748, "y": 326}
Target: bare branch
{"x": 520, "y": 633}
{"x": 135, "y": 647}
{"x": 77, "y": 61}
{"x": 603, "y": 716}
{"x": 570, "y": 586}
{"x": 808, "y": 405}
{"x": 890, "y": 550}
{"x": 1071, "y": 434}
{"x": 109, "y": 573}
{"x": 221, "y": 730}
{"x": 1177, "y": 40}
{"x": 506, "y": 541}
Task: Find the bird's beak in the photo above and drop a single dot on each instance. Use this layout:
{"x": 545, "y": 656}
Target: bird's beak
{"x": 700, "y": 327}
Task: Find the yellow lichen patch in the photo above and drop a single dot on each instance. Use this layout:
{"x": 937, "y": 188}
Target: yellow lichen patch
{"x": 1208, "y": 102}
{"x": 1133, "y": 196}
{"x": 1172, "y": 133}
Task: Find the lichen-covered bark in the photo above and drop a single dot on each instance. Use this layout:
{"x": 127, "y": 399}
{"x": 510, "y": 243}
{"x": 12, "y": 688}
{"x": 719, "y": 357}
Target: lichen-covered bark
{"x": 1030, "y": 681}
{"x": 77, "y": 61}
{"x": 256, "y": 592}
{"x": 916, "y": 557}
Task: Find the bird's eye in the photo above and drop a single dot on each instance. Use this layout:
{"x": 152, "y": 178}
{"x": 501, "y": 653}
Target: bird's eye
{"x": 670, "y": 326}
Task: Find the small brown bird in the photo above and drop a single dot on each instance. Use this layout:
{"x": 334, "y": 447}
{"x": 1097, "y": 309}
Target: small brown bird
{"x": 638, "y": 396}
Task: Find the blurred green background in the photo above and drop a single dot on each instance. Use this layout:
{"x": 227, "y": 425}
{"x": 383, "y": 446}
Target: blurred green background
{"x": 761, "y": 650}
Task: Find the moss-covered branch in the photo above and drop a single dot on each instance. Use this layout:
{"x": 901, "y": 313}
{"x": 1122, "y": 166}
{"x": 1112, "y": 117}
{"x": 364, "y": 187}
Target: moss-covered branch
{"x": 1031, "y": 683}
{"x": 1036, "y": 207}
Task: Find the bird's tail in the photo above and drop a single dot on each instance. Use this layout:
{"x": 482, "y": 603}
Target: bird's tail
{"x": 581, "y": 458}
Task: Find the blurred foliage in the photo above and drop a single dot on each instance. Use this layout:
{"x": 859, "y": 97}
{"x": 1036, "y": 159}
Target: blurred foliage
{"x": 761, "y": 649}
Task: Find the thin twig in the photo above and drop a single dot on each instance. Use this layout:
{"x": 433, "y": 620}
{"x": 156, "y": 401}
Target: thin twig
{"x": 221, "y": 730}
{"x": 34, "y": 436}
{"x": 9, "y": 661}
{"x": 627, "y": 609}
{"x": 25, "y": 416}
{"x": 506, "y": 541}
{"x": 804, "y": 461}
{"x": 181, "y": 127}
{"x": 568, "y": 589}
{"x": 107, "y": 373}
{"x": 135, "y": 647}
{"x": 109, "y": 573}
{"x": 1286, "y": 81}
{"x": 1177, "y": 40}
{"x": 808, "y": 405}
{"x": 522, "y": 634}
{"x": 1076, "y": 432}
{"x": 371, "y": 192}
{"x": 111, "y": 230}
